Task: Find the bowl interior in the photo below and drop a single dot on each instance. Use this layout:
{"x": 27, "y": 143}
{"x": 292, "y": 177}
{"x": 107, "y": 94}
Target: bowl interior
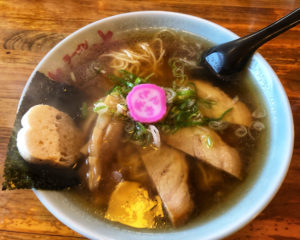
{"x": 254, "y": 199}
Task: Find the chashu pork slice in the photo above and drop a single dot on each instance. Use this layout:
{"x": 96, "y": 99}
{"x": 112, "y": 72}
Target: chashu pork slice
{"x": 102, "y": 146}
{"x": 240, "y": 114}
{"x": 104, "y": 141}
{"x": 205, "y": 144}
{"x": 168, "y": 170}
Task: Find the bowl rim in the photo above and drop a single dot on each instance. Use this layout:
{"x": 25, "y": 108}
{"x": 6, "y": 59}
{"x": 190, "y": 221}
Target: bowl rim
{"x": 270, "y": 193}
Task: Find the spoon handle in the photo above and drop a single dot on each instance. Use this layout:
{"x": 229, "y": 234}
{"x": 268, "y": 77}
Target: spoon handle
{"x": 255, "y": 40}
{"x": 231, "y": 57}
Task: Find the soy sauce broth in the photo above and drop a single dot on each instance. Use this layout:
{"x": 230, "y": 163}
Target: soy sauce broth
{"x": 209, "y": 203}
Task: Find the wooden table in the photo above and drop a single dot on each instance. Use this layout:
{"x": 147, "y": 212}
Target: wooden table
{"x": 28, "y": 29}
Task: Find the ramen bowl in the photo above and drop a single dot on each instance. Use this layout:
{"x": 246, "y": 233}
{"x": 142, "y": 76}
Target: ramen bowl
{"x": 256, "y": 193}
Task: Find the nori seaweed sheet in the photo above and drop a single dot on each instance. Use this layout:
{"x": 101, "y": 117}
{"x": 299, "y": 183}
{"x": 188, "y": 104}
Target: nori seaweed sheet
{"x": 17, "y": 172}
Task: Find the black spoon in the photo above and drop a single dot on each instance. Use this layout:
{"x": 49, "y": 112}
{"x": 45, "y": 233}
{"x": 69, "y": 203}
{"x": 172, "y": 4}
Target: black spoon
{"x": 222, "y": 61}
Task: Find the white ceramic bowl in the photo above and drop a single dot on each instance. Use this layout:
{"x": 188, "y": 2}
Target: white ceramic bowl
{"x": 258, "y": 193}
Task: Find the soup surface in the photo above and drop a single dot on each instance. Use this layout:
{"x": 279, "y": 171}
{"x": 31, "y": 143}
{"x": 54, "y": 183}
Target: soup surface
{"x": 201, "y": 119}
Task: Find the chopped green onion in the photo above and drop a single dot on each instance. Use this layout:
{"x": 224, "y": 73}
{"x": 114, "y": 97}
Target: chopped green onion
{"x": 183, "y": 110}
{"x": 177, "y": 67}
{"x": 126, "y": 82}
{"x": 221, "y": 116}
{"x": 139, "y": 134}
{"x": 207, "y": 103}
{"x": 99, "y": 107}
{"x": 185, "y": 93}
